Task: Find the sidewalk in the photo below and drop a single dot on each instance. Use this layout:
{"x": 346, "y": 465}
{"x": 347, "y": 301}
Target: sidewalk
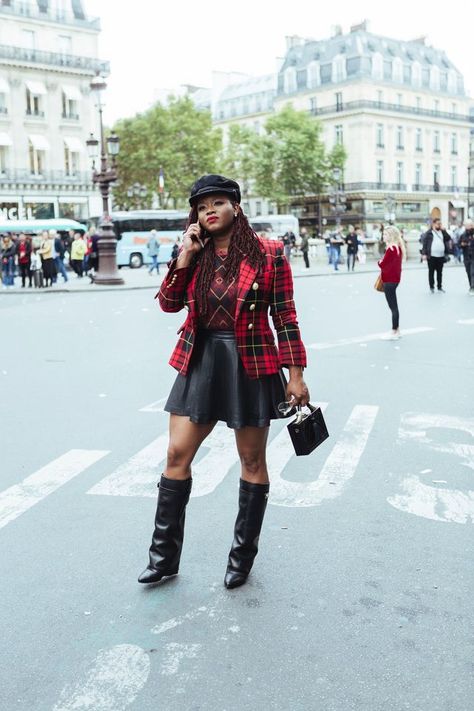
{"x": 140, "y": 278}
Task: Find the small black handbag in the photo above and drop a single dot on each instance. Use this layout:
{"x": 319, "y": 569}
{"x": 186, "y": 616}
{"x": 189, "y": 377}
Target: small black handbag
{"x": 308, "y": 430}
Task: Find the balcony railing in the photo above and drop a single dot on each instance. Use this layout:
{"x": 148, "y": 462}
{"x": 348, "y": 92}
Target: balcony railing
{"x": 38, "y": 114}
{"x": 383, "y": 106}
{"x": 70, "y": 116}
{"x": 25, "y": 8}
{"x": 403, "y": 187}
{"x": 68, "y": 61}
{"x": 13, "y": 177}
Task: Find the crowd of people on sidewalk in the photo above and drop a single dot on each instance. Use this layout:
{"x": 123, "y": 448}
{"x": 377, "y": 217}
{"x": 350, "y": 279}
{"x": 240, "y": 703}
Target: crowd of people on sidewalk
{"x": 40, "y": 260}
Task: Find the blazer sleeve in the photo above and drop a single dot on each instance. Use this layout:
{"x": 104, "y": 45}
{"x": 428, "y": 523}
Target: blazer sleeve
{"x": 282, "y": 310}
{"x": 173, "y": 288}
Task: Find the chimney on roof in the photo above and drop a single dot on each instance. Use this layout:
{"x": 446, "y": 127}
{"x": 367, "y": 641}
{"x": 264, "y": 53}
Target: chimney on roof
{"x": 336, "y": 31}
{"x": 419, "y": 40}
{"x": 361, "y": 27}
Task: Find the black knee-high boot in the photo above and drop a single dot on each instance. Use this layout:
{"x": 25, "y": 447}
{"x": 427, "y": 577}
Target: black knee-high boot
{"x": 252, "y": 504}
{"x": 167, "y": 541}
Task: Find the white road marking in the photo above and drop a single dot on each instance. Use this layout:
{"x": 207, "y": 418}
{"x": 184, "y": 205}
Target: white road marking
{"x": 338, "y": 468}
{"x": 112, "y": 683}
{"x": 466, "y": 321}
{"x": 21, "y": 497}
{"x": 139, "y": 475}
{"x": 449, "y": 505}
{"x": 175, "y": 654}
{"x": 364, "y": 339}
{"x": 178, "y": 621}
{"x": 156, "y": 406}
{"x": 433, "y": 502}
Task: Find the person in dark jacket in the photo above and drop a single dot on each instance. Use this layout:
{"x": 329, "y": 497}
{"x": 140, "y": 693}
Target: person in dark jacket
{"x": 466, "y": 244}
{"x": 352, "y": 242}
{"x": 59, "y": 250}
{"x": 23, "y": 253}
{"x": 7, "y": 253}
{"x": 304, "y": 246}
{"x": 435, "y": 249}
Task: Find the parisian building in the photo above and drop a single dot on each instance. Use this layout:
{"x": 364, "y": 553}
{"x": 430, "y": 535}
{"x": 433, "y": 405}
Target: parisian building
{"x": 399, "y": 108}
{"x": 48, "y": 56}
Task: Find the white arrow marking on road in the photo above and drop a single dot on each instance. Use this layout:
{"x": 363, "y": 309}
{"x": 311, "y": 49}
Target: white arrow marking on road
{"x": 175, "y": 654}
{"x": 364, "y": 339}
{"x": 21, "y": 497}
{"x": 139, "y": 475}
{"x": 338, "y": 468}
{"x": 113, "y": 682}
{"x": 156, "y": 406}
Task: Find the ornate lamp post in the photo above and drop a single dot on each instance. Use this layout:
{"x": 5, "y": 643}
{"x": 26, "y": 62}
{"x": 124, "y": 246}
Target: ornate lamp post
{"x": 337, "y": 198}
{"x": 107, "y": 272}
{"x": 390, "y": 204}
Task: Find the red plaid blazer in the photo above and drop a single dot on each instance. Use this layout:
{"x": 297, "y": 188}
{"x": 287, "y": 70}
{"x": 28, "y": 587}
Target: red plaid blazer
{"x": 269, "y": 289}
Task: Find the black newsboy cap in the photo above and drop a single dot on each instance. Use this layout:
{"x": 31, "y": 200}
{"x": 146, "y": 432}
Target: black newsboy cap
{"x": 209, "y": 184}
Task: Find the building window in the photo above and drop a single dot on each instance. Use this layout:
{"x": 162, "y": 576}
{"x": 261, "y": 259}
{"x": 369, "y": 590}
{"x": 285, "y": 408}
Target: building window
{"x": 36, "y": 160}
{"x": 452, "y": 81}
{"x": 418, "y": 140}
{"x": 3, "y": 159}
{"x": 379, "y": 173}
{"x": 70, "y": 109}
{"x": 436, "y": 174}
{"x": 258, "y": 207}
{"x": 454, "y": 144}
{"x": 454, "y": 109}
{"x": 416, "y": 74}
{"x": 398, "y": 70}
{"x": 33, "y": 104}
{"x": 338, "y": 69}
{"x": 436, "y": 143}
{"x": 3, "y": 103}
{"x": 338, "y": 97}
{"x": 71, "y": 161}
{"x": 454, "y": 177}
{"x": 418, "y": 103}
{"x": 314, "y": 75}
{"x": 28, "y": 39}
{"x": 380, "y": 141}
{"x": 65, "y": 44}
{"x": 417, "y": 175}
{"x": 399, "y": 100}
{"x": 313, "y": 105}
{"x": 399, "y": 173}
{"x": 400, "y": 145}
{"x": 290, "y": 80}
{"x": 379, "y": 97}
{"x": 435, "y": 78}
{"x": 338, "y": 134}
{"x": 377, "y": 66}
{"x": 436, "y": 106}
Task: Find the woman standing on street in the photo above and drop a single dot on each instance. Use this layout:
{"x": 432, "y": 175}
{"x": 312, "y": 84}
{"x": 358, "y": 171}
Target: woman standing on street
{"x": 46, "y": 251}
{"x": 228, "y": 366}
{"x": 391, "y": 266}
{"x": 7, "y": 252}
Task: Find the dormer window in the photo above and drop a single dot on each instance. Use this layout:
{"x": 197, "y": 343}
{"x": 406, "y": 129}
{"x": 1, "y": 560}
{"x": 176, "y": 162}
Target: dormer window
{"x": 289, "y": 80}
{"x": 398, "y": 70}
{"x": 377, "y": 66}
{"x": 434, "y": 78}
{"x": 338, "y": 68}
{"x": 314, "y": 75}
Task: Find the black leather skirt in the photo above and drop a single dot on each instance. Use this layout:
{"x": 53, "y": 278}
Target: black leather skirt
{"x": 217, "y": 387}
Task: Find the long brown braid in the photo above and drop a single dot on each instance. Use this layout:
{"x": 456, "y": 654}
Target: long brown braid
{"x": 244, "y": 243}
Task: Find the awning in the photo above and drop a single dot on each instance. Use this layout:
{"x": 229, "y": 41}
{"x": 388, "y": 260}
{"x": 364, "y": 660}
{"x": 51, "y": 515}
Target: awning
{"x": 72, "y": 92}
{"x": 458, "y": 203}
{"x": 40, "y": 143}
{"x": 74, "y": 144}
{"x": 36, "y": 87}
{"x": 4, "y": 86}
{"x": 5, "y": 140}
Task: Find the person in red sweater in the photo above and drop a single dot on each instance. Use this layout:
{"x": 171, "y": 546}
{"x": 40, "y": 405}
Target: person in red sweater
{"x": 391, "y": 266}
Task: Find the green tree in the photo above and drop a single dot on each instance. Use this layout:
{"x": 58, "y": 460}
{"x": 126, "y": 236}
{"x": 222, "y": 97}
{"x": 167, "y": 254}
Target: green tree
{"x": 292, "y": 160}
{"x": 238, "y": 159}
{"x": 177, "y": 138}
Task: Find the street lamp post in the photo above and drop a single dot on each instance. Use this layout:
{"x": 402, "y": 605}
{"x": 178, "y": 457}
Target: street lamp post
{"x": 469, "y": 169}
{"x": 107, "y": 272}
{"x": 337, "y": 197}
{"x": 390, "y": 203}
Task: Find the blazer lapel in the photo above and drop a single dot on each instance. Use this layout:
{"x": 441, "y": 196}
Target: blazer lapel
{"x": 247, "y": 277}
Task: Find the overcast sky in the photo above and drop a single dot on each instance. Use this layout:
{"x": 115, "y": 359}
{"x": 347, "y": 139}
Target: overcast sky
{"x": 162, "y": 44}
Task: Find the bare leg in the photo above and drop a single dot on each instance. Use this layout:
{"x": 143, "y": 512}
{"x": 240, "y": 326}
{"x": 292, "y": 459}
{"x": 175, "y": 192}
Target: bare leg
{"x": 251, "y": 445}
{"x": 185, "y": 439}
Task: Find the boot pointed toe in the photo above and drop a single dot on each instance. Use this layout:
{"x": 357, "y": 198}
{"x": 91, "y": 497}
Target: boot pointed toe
{"x": 150, "y": 576}
{"x": 234, "y": 580}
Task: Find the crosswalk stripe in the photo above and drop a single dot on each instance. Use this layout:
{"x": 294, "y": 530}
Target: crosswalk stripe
{"x": 365, "y": 339}
{"x": 19, "y": 498}
{"x": 338, "y": 468}
{"x": 156, "y": 406}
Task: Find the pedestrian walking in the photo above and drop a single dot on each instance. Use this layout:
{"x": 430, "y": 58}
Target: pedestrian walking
{"x": 352, "y": 241}
{"x": 304, "y": 246}
{"x": 60, "y": 251}
{"x": 175, "y": 250}
{"x": 435, "y": 250}
{"x": 456, "y": 235}
{"x": 46, "y": 251}
{"x": 289, "y": 241}
{"x": 337, "y": 240}
{"x": 78, "y": 252}
{"x": 391, "y": 272}
{"x": 228, "y": 366}
{"x": 23, "y": 253}
{"x": 36, "y": 266}
{"x": 7, "y": 255}
{"x": 93, "y": 256}
{"x": 466, "y": 245}
{"x": 153, "y": 246}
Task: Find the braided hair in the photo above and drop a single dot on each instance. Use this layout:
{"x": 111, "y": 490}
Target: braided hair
{"x": 244, "y": 243}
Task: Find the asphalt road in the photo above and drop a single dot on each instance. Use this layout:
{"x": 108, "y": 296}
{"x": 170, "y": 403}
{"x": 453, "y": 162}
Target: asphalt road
{"x": 361, "y": 595}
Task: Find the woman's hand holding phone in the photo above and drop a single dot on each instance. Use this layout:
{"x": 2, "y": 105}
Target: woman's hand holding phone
{"x": 192, "y": 244}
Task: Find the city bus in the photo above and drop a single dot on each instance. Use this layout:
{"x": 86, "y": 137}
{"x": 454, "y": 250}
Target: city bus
{"x": 275, "y": 226}
{"x": 132, "y": 229}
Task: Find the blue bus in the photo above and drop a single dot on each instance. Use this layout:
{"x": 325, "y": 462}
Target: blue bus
{"x": 133, "y": 227}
